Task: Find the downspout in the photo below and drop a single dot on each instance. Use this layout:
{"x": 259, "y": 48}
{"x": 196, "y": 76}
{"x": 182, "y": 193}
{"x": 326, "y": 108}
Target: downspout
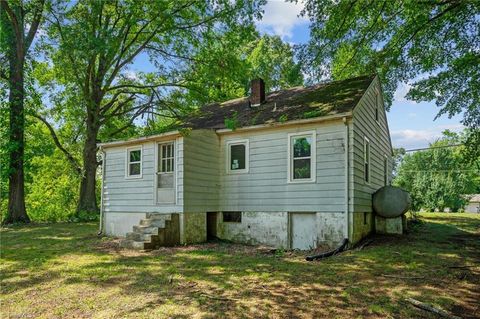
{"x": 347, "y": 180}
{"x": 100, "y": 227}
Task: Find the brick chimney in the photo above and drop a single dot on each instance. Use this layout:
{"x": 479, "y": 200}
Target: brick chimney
{"x": 257, "y": 92}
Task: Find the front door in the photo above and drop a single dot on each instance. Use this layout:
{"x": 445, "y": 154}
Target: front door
{"x": 166, "y": 173}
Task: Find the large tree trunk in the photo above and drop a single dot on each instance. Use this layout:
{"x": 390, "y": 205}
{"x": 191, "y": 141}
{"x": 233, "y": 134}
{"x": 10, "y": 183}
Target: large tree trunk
{"x": 16, "y": 195}
{"x": 88, "y": 200}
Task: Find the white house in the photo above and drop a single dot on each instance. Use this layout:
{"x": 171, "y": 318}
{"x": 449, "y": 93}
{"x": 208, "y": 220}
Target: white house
{"x": 473, "y": 205}
{"x": 294, "y": 169}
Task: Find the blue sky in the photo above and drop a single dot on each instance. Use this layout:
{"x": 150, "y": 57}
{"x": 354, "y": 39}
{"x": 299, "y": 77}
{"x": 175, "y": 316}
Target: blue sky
{"x": 411, "y": 124}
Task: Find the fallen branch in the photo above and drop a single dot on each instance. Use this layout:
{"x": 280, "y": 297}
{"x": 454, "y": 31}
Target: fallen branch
{"x": 461, "y": 267}
{"x": 401, "y": 277}
{"x": 426, "y": 307}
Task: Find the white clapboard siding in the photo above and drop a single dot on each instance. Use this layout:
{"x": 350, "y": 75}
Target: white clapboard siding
{"x": 201, "y": 169}
{"x": 364, "y": 124}
{"x": 265, "y": 187}
{"x": 137, "y": 195}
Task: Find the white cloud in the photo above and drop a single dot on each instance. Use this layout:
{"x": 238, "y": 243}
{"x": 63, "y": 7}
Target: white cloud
{"x": 410, "y": 139}
{"x": 280, "y": 18}
{"x": 132, "y": 75}
{"x": 401, "y": 92}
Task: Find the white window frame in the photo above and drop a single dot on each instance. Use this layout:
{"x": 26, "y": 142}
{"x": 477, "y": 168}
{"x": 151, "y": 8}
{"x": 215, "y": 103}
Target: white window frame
{"x": 172, "y": 143}
{"x": 247, "y": 156}
{"x": 365, "y": 141}
{"x": 313, "y": 158}
{"x": 127, "y": 162}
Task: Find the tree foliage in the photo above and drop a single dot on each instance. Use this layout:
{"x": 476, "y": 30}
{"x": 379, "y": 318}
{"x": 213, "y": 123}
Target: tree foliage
{"x": 439, "y": 177}
{"x": 93, "y": 45}
{"x": 231, "y": 61}
{"x": 432, "y": 45}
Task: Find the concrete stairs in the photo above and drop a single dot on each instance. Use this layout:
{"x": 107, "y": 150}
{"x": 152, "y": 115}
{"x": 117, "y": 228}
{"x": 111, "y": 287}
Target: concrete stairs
{"x": 154, "y": 231}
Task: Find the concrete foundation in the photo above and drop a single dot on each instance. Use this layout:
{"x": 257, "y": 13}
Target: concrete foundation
{"x": 330, "y": 228}
{"x": 193, "y": 228}
{"x": 256, "y": 228}
{"x": 119, "y": 224}
{"x": 275, "y": 229}
{"x": 362, "y": 225}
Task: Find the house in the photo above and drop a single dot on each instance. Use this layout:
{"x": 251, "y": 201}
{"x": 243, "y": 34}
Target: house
{"x": 473, "y": 205}
{"x": 295, "y": 169}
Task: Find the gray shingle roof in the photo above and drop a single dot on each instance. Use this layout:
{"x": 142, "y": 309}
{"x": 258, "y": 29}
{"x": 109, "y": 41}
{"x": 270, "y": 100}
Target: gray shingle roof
{"x": 291, "y": 104}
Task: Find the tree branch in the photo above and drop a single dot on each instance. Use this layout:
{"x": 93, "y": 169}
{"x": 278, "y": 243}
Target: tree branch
{"x": 37, "y": 17}
{"x": 69, "y": 156}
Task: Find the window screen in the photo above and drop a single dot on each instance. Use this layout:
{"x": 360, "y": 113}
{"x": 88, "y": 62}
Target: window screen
{"x": 237, "y": 156}
{"x": 302, "y": 157}
{"x": 134, "y": 162}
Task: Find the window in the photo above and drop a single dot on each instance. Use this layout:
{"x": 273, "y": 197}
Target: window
{"x": 237, "y": 156}
{"x": 232, "y": 217}
{"x": 385, "y": 170}
{"x": 167, "y": 158}
{"x": 366, "y": 159}
{"x": 301, "y": 149}
{"x": 134, "y": 162}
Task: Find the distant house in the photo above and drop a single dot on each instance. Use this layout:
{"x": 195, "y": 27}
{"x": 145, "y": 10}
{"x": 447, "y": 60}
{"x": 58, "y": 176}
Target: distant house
{"x": 473, "y": 205}
{"x": 295, "y": 169}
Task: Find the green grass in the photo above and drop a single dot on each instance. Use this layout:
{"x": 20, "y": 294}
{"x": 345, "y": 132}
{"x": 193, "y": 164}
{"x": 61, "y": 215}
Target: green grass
{"x": 65, "y": 271}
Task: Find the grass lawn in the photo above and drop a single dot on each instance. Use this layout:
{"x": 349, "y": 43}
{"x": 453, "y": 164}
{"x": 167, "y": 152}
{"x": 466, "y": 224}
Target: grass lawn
{"x": 65, "y": 271}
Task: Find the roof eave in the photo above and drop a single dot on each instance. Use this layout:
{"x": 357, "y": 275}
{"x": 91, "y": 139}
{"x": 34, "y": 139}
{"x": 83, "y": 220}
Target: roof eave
{"x": 140, "y": 139}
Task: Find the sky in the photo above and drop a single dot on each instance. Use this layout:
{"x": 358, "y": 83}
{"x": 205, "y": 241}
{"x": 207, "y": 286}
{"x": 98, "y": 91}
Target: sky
{"x": 411, "y": 124}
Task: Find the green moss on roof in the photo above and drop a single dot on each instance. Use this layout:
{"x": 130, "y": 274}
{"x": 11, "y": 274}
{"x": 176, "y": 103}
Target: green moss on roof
{"x": 286, "y": 105}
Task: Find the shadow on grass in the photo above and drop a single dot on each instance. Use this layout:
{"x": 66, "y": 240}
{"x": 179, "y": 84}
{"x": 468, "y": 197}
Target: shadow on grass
{"x": 220, "y": 281}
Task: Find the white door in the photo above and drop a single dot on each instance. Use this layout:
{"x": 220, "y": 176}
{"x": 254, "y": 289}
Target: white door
{"x": 303, "y": 227}
{"x": 166, "y": 173}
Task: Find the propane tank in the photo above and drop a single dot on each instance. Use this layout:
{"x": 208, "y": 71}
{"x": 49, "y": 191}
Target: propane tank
{"x": 391, "y": 202}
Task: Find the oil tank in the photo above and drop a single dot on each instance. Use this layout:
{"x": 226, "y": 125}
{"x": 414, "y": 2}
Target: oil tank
{"x": 391, "y": 202}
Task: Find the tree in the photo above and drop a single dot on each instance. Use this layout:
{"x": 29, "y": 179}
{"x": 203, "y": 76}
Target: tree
{"x": 433, "y": 45}
{"x": 92, "y": 45}
{"x": 439, "y": 177}
{"x": 19, "y": 23}
{"x": 228, "y": 64}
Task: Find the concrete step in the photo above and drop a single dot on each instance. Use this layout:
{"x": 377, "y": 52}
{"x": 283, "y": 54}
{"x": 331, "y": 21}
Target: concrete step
{"x": 158, "y": 216}
{"x": 145, "y": 229}
{"x": 156, "y": 230}
{"x": 132, "y": 244}
{"x": 140, "y": 237}
{"x": 160, "y": 223}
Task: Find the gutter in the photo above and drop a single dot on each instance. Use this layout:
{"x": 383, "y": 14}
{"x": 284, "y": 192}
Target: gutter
{"x": 140, "y": 139}
{"x": 288, "y": 123}
{"x": 100, "y": 227}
